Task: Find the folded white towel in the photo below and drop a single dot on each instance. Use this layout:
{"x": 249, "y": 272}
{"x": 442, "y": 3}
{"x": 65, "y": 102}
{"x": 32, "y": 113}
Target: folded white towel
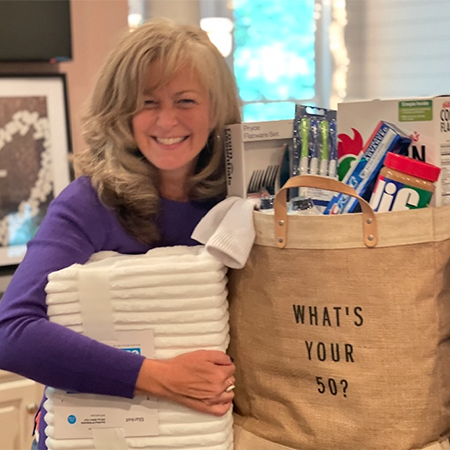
{"x": 168, "y": 353}
{"x": 172, "y": 329}
{"x": 179, "y": 427}
{"x": 168, "y": 412}
{"x": 137, "y": 304}
{"x": 195, "y": 434}
{"x": 167, "y": 293}
{"x": 118, "y": 281}
{"x": 180, "y": 294}
{"x": 201, "y": 427}
{"x": 153, "y": 318}
{"x": 141, "y": 268}
{"x": 159, "y": 256}
{"x": 172, "y": 289}
{"x": 228, "y": 232}
{"x": 133, "y": 444}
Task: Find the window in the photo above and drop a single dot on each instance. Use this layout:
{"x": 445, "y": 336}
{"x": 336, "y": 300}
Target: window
{"x": 281, "y": 52}
{"x": 274, "y": 56}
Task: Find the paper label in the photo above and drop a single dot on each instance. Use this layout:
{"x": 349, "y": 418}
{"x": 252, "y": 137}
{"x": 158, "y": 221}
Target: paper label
{"x": 141, "y": 342}
{"x": 263, "y": 131}
{"x": 77, "y": 414}
{"x": 415, "y": 110}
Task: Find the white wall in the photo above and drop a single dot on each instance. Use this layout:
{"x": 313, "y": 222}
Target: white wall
{"x": 184, "y": 11}
{"x": 398, "y": 48}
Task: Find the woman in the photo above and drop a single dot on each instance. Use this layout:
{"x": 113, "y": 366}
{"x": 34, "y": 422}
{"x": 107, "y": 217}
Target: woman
{"x": 153, "y": 168}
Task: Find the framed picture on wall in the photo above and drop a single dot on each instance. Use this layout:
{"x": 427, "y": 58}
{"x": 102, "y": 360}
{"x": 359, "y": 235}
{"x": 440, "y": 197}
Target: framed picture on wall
{"x": 34, "y": 156}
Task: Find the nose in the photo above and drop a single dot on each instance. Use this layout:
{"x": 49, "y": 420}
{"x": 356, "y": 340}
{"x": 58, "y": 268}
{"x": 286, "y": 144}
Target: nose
{"x": 167, "y": 117}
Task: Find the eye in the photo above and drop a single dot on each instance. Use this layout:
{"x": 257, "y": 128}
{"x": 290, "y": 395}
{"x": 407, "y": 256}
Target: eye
{"x": 150, "y": 103}
{"x": 187, "y": 102}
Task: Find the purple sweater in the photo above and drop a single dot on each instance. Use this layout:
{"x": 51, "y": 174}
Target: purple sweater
{"x": 76, "y": 226}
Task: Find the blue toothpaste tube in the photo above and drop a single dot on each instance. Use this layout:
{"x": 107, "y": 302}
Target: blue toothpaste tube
{"x": 385, "y": 138}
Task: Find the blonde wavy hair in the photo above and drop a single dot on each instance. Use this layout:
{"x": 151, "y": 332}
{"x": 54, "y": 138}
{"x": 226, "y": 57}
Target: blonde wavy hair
{"x": 125, "y": 180}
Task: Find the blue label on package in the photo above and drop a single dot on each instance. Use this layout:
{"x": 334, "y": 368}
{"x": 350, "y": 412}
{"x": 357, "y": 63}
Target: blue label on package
{"x": 133, "y": 350}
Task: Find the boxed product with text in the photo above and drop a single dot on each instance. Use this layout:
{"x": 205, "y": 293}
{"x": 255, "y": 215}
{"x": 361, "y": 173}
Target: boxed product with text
{"x": 426, "y": 120}
{"x": 253, "y": 154}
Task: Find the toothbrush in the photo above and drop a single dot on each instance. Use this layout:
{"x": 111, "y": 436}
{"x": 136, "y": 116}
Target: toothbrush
{"x": 314, "y": 160}
{"x": 304, "y": 138}
{"x": 295, "y": 168}
{"x": 332, "y": 169}
{"x": 324, "y": 132}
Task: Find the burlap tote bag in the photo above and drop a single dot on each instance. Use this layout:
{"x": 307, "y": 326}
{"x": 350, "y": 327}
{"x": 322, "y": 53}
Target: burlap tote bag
{"x": 340, "y": 327}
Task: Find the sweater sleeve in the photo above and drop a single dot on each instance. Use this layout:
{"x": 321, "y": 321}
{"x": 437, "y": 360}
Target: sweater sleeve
{"x": 76, "y": 225}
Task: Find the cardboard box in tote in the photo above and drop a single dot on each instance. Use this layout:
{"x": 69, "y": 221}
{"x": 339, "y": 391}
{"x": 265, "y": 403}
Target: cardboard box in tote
{"x": 426, "y": 120}
{"x": 255, "y": 148}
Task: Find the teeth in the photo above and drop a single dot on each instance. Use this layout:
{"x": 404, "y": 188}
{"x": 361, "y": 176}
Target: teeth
{"x": 169, "y": 141}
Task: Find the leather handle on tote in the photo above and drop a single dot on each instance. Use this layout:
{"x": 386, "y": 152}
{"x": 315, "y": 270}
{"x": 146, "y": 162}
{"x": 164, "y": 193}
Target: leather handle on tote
{"x": 369, "y": 223}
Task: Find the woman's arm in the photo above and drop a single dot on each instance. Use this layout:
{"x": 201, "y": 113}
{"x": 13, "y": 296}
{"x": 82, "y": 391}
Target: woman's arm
{"x": 76, "y": 225}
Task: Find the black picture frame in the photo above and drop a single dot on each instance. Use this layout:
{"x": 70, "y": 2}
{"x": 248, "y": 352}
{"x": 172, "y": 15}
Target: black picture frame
{"x": 35, "y": 147}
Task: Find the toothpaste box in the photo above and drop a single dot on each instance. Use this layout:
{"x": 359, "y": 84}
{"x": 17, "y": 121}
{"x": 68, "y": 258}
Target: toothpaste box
{"x": 385, "y": 138}
{"x": 426, "y": 120}
{"x": 255, "y": 148}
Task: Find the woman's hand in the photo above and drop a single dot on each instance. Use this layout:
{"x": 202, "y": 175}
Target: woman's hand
{"x": 198, "y": 380}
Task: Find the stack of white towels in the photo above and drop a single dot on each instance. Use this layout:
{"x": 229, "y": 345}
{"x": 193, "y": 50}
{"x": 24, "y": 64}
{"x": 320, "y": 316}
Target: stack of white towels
{"x": 178, "y": 292}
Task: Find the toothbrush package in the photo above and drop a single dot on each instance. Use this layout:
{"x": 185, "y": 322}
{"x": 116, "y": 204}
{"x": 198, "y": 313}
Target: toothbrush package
{"x": 315, "y": 140}
{"x": 314, "y": 148}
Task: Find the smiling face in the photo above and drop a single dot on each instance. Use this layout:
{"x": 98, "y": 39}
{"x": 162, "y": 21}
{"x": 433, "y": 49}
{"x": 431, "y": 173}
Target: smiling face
{"x": 173, "y": 127}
